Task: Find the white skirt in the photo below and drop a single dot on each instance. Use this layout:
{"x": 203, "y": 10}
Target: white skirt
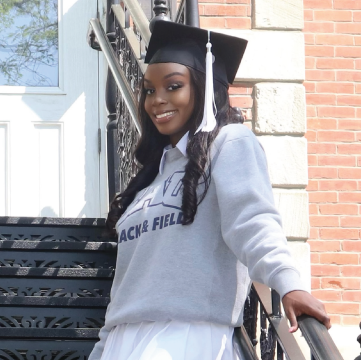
{"x": 171, "y": 340}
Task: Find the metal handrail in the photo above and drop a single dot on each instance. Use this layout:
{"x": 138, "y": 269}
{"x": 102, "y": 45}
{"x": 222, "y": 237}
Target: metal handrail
{"x": 316, "y": 335}
{"x": 139, "y": 18}
{"x": 116, "y": 70}
{"x": 318, "y": 339}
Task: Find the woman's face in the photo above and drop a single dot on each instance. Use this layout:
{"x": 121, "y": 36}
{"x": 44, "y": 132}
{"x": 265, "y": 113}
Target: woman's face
{"x": 169, "y": 99}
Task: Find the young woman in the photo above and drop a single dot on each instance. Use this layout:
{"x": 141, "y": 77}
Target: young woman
{"x": 198, "y": 221}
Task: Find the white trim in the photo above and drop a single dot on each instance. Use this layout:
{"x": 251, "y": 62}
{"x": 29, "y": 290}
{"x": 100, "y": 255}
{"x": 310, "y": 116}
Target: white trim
{"x": 58, "y": 125}
{"x": 6, "y": 125}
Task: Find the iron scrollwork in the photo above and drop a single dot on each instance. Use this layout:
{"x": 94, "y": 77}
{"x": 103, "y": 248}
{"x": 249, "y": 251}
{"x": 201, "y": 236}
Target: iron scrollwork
{"x": 127, "y": 133}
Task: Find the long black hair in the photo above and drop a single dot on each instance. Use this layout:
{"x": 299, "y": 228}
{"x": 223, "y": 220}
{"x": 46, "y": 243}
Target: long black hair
{"x": 149, "y": 151}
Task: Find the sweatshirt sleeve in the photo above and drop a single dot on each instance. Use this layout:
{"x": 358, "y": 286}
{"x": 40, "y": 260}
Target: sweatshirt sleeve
{"x": 97, "y": 351}
{"x": 250, "y": 224}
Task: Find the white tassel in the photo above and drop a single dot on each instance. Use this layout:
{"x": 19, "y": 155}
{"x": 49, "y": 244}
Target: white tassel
{"x": 209, "y": 120}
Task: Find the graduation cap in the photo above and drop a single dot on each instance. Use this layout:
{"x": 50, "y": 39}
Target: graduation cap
{"x": 215, "y": 54}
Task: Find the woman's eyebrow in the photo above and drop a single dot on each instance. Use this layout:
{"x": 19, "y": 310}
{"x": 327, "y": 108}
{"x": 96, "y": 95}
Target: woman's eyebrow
{"x": 172, "y": 74}
{"x": 167, "y": 76}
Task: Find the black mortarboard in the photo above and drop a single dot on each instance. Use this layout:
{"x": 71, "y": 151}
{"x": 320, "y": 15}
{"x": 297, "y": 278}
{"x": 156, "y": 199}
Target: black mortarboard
{"x": 186, "y": 45}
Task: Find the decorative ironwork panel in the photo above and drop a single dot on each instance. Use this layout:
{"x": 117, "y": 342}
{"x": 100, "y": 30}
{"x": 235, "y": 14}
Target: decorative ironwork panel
{"x": 73, "y": 288}
{"x": 127, "y": 133}
{"x": 56, "y": 259}
{"x": 50, "y": 318}
{"x": 45, "y": 350}
{"x": 55, "y": 285}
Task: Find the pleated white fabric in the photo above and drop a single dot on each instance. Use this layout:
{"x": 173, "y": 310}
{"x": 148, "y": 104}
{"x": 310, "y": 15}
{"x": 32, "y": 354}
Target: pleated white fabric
{"x": 171, "y": 340}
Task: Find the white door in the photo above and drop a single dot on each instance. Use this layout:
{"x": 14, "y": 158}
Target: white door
{"x": 49, "y": 110}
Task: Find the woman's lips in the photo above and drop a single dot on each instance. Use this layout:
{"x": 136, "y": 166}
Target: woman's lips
{"x": 164, "y": 117}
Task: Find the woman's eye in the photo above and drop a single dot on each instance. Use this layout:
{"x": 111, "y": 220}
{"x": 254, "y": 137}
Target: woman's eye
{"x": 148, "y": 91}
{"x": 174, "y": 87}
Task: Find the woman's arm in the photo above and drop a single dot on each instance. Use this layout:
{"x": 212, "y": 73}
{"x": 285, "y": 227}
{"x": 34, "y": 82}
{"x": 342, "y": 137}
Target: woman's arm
{"x": 251, "y": 225}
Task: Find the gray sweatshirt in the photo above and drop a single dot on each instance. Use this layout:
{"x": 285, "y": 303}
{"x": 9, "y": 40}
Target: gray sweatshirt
{"x": 200, "y": 272}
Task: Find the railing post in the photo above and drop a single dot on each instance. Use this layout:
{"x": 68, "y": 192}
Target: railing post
{"x": 192, "y": 13}
{"x": 161, "y": 12}
{"x": 111, "y": 99}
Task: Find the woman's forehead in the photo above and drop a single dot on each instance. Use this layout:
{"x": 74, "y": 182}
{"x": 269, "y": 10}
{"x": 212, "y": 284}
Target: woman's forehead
{"x": 166, "y": 70}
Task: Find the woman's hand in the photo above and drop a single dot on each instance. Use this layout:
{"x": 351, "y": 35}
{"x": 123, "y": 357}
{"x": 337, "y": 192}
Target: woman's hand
{"x": 297, "y": 303}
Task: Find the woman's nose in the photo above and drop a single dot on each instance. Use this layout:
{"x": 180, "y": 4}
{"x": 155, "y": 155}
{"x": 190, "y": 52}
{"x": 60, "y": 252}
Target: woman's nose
{"x": 159, "y": 99}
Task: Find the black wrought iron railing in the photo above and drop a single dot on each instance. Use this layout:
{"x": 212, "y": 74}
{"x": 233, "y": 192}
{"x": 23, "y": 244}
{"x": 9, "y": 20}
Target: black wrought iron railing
{"x": 124, "y": 44}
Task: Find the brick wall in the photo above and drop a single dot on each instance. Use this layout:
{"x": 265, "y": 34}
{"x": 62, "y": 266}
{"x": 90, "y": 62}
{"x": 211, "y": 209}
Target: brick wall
{"x": 333, "y": 85}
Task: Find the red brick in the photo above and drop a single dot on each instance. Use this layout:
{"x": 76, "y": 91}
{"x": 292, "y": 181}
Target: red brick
{"x": 318, "y": 27}
{"x": 312, "y": 209}
{"x": 357, "y": 16}
{"x": 348, "y": 51}
{"x": 317, "y": 148}
{"x": 340, "y": 283}
{"x": 309, "y": 38}
{"x": 353, "y": 246}
{"x": 312, "y": 160}
{"x": 336, "y": 112}
{"x": 351, "y": 271}
{"x": 314, "y": 233}
{"x": 347, "y": 28}
{"x": 319, "y": 50}
{"x": 338, "y": 258}
{"x": 315, "y": 283}
{"x": 358, "y": 64}
{"x": 238, "y": 23}
{"x": 332, "y": 15}
{"x": 212, "y": 22}
{"x": 339, "y": 209}
{"x": 353, "y": 197}
{"x": 311, "y": 135}
{"x": 317, "y": 4}
{"x": 322, "y": 246}
{"x": 357, "y": 40}
{"x": 225, "y": 10}
{"x": 335, "y": 319}
{"x": 335, "y": 87}
{"x": 351, "y": 296}
{"x": 349, "y": 148}
{"x": 353, "y": 100}
{"x": 327, "y": 295}
{"x": 310, "y": 86}
{"x": 321, "y": 99}
{"x": 343, "y": 75}
{"x": 349, "y": 124}
{"x": 325, "y": 270}
{"x": 315, "y": 258}
{"x": 337, "y": 160}
{"x": 342, "y": 308}
{"x": 349, "y": 173}
{"x": 338, "y": 233}
{"x": 358, "y": 88}
{"x": 350, "y": 320}
{"x": 337, "y": 185}
{"x": 326, "y": 63}
{"x": 347, "y": 4}
{"x": 316, "y": 75}
{"x": 311, "y": 111}
{"x": 324, "y": 221}
{"x": 334, "y": 39}
{"x": 322, "y": 173}
{"x": 322, "y": 123}
{"x": 241, "y": 101}
{"x": 335, "y": 136}
{"x": 322, "y": 197}
{"x": 310, "y": 62}
{"x": 240, "y": 89}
